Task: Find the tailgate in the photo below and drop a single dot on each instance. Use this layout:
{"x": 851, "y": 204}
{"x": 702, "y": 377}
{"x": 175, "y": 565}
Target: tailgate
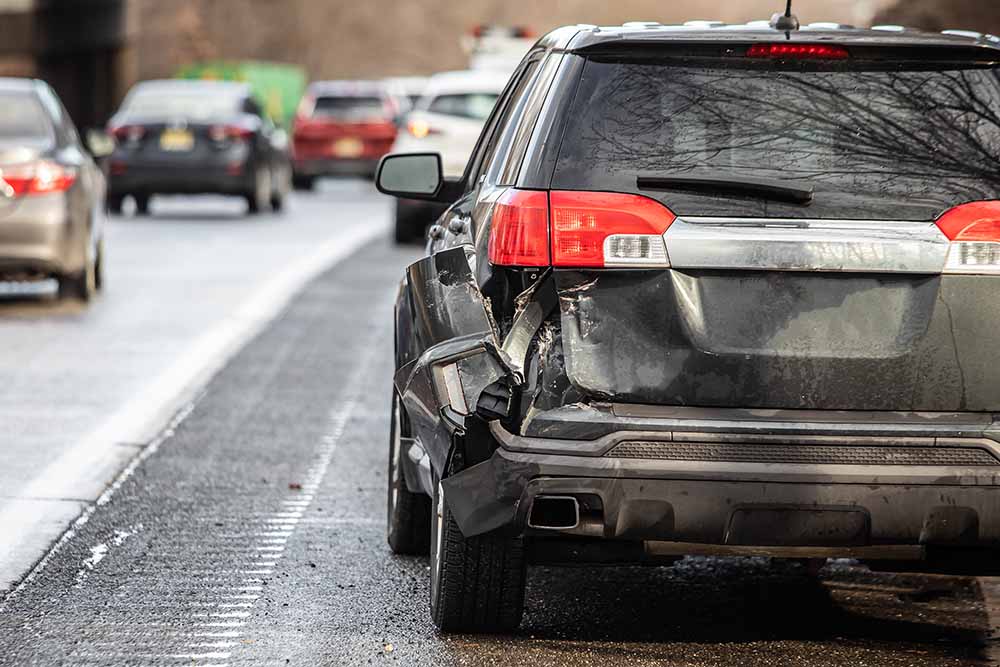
{"x": 767, "y": 316}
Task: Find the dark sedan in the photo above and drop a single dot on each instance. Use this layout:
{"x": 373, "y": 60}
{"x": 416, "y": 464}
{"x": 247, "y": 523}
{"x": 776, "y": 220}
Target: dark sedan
{"x": 197, "y": 137}
{"x": 51, "y": 193}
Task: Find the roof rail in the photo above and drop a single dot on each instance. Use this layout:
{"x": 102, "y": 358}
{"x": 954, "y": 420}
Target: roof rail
{"x": 704, "y": 23}
{"x": 641, "y": 24}
{"x": 890, "y": 28}
{"x": 829, "y": 25}
{"x": 964, "y": 33}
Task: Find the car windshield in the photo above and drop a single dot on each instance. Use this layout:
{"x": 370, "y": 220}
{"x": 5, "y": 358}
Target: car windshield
{"x": 353, "y": 106}
{"x": 201, "y": 104}
{"x": 872, "y": 144}
{"x": 476, "y": 106}
{"x": 23, "y": 118}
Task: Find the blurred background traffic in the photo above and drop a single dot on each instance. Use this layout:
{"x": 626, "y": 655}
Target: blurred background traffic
{"x": 252, "y": 98}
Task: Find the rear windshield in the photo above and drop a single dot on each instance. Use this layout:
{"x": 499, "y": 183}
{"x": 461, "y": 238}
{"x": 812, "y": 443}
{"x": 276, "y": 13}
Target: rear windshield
{"x": 872, "y": 144}
{"x": 202, "y": 104}
{"x": 476, "y": 106}
{"x": 22, "y": 118}
{"x": 349, "y": 107}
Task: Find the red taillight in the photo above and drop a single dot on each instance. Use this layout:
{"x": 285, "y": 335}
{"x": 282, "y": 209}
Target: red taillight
{"x": 421, "y": 128}
{"x": 588, "y": 230}
{"x": 37, "y": 178}
{"x": 976, "y": 221}
{"x": 974, "y": 232}
{"x": 519, "y": 234}
{"x": 596, "y": 229}
{"x": 221, "y": 133}
{"x": 128, "y": 133}
{"x": 798, "y": 51}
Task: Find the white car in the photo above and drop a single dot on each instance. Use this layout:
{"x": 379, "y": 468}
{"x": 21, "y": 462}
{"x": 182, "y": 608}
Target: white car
{"x": 447, "y": 120}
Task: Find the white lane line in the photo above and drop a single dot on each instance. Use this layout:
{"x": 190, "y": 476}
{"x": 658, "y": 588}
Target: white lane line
{"x": 172, "y": 392}
{"x": 82, "y": 520}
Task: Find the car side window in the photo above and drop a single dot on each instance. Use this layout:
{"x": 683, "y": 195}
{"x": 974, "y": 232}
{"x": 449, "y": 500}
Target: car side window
{"x": 512, "y": 110}
{"x": 487, "y": 140}
{"x": 65, "y": 132}
{"x": 516, "y": 133}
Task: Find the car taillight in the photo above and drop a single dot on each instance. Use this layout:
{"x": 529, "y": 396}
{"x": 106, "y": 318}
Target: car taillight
{"x": 608, "y": 229}
{"x": 128, "y": 133}
{"x": 588, "y": 230}
{"x": 519, "y": 232}
{"x": 798, "y": 51}
{"x": 974, "y": 232}
{"x": 421, "y": 129}
{"x": 37, "y": 178}
{"x": 220, "y": 133}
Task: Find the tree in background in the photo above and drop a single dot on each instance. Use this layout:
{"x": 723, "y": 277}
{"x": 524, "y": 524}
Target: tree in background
{"x": 936, "y": 15}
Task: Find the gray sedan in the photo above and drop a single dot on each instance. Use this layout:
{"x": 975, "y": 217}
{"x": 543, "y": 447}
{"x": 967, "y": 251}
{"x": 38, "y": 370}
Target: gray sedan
{"x": 51, "y": 193}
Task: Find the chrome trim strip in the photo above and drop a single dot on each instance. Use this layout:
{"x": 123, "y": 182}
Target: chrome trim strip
{"x": 788, "y": 244}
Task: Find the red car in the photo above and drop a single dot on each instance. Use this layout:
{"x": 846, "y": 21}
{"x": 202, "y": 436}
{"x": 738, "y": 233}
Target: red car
{"x": 342, "y": 128}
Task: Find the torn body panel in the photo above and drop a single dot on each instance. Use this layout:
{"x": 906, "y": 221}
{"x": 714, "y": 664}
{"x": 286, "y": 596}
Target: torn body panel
{"x": 447, "y": 351}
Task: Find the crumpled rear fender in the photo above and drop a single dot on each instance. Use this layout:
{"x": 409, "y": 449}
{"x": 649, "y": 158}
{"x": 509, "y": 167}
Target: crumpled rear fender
{"x": 451, "y": 352}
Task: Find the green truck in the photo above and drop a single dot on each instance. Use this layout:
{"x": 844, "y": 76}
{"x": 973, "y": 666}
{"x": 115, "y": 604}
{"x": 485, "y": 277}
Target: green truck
{"x": 278, "y": 87}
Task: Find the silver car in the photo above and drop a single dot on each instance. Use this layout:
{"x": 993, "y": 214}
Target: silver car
{"x": 51, "y": 193}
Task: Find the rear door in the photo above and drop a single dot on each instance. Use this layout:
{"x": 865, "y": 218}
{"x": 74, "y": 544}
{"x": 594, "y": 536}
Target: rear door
{"x": 813, "y": 256}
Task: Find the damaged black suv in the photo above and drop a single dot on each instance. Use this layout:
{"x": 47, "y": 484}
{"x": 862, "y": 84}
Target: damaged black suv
{"x": 705, "y": 289}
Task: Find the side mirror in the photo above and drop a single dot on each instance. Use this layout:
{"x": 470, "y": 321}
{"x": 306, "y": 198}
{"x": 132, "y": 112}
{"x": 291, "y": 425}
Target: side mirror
{"x": 99, "y": 143}
{"x": 410, "y": 175}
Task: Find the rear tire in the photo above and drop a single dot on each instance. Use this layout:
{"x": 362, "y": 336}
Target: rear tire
{"x": 477, "y": 583}
{"x": 115, "y": 205}
{"x": 260, "y": 197}
{"x": 141, "y": 204}
{"x": 409, "y": 514}
{"x": 302, "y": 182}
{"x": 82, "y": 285}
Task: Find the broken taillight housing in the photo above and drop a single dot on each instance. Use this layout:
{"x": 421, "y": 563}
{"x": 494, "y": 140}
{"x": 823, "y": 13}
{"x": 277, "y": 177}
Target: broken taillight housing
{"x": 974, "y": 232}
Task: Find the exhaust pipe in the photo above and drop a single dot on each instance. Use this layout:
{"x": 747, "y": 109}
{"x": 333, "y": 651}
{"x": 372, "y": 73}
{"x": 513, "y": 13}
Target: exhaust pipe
{"x": 554, "y": 513}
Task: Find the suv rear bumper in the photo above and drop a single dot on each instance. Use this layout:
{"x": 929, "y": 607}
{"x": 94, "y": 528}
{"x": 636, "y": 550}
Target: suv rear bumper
{"x": 905, "y": 490}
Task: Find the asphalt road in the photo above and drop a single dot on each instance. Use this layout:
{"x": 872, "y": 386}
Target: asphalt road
{"x": 251, "y": 531}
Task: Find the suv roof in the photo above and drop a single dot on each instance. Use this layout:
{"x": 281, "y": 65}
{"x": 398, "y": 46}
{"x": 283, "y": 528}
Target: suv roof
{"x": 581, "y": 37}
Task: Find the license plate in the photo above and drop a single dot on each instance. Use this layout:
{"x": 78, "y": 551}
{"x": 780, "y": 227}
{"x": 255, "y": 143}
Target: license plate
{"x": 348, "y": 147}
{"x": 177, "y": 140}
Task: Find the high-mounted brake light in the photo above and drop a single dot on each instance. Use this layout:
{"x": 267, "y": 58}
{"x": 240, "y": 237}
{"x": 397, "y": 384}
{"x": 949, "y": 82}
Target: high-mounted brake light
{"x": 519, "y": 234}
{"x": 37, "y": 178}
{"x": 974, "y": 232}
{"x": 608, "y": 229}
{"x": 798, "y": 51}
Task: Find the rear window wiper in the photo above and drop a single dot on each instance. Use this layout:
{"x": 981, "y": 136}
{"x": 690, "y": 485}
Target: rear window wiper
{"x": 728, "y": 184}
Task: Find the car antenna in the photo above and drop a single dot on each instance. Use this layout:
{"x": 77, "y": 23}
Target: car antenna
{"x": 787, "y": 21}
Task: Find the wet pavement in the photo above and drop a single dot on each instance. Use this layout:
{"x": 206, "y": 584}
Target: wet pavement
{"x": 252, "y": 531}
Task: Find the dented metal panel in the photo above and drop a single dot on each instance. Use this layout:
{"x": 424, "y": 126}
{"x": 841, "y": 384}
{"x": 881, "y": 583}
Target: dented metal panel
{"x": 770, "y": 339}
{"x": 452, "y": 352}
